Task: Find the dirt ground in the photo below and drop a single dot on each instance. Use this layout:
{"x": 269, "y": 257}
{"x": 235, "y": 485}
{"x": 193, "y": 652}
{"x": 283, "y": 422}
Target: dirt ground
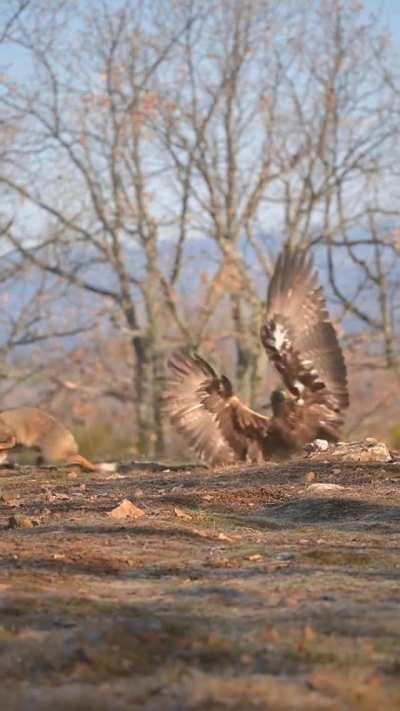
{"x": 236, "y": 589}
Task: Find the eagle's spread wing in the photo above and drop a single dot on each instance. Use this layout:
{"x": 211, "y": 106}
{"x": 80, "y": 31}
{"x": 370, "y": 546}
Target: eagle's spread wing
{"x": 298, "y": 335}
{"x": 203, "y": 408}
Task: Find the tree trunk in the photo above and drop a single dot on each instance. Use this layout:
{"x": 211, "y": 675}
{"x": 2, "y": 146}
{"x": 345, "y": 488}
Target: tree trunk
{"x": 142, "y": 395}
{"x": 243, "y": 348}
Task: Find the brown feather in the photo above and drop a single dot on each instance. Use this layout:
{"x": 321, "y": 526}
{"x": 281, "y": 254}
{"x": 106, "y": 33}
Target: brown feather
{"x": 298, "y": 335}
{"x": 302, "y": 344}
{"x": 203, "y": 408}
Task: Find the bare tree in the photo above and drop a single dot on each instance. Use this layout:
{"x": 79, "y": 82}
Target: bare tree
{"x": 284, "y": 126}
{"x": 89, "y": 167}
{"x": 150, "y": 133}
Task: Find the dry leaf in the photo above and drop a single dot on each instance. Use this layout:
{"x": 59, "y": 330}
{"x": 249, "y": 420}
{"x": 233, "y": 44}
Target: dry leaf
{"x": 181, "y": 514}
{"x": 223, "y": 537}
{"x": 21, "y": 521}
{"x": 126, "y": 510}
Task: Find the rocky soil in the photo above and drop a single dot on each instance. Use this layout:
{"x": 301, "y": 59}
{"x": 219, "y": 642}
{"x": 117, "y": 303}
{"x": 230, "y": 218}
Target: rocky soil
{"x": 269, "y": 587}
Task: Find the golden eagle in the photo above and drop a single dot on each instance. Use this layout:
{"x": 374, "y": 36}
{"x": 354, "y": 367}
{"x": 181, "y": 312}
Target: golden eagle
{"x": 302, "y": 344}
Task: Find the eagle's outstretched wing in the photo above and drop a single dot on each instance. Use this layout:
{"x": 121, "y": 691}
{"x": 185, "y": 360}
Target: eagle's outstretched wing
{"x": 298, "y": 335}
{"x": 202, "y": 407}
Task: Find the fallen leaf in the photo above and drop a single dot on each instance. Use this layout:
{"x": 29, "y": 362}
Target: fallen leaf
{"x": 181, "y": 514}
{"x": 11, "y": 501}
{"x": 126, "y": 510}
{"x": 309, "y": 633}
{"x": 223, "y": 537}
{"x": 21, "y": 521}
{"x": 310, "y": 476}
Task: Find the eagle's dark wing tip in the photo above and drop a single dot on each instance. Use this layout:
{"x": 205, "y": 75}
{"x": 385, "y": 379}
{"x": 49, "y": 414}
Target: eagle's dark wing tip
{"x": 297, "y": 332}
{"x": 180, "y": 362}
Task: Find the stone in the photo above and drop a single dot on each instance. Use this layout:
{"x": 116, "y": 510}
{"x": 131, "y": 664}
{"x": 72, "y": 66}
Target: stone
{"x": 369, "y": 450}
{"x": 285, "y": 556}
{"x": 322, "y": 488}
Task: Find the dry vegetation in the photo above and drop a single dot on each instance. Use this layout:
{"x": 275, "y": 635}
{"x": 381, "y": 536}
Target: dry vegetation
{"x": 235, "y": 589}
{"x": 153, "y": 157}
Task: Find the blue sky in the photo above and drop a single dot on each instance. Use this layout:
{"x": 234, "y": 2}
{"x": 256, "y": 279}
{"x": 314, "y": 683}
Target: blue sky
{"x": 389, "y": 11}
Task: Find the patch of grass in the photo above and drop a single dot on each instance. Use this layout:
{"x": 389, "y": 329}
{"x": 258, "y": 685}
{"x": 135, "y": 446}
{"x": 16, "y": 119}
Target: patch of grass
{"x": 102, "y": 441}
{"x": 338, "y": 557}
{"x": 394, "y": 436}
{"x": 214, "y": 522}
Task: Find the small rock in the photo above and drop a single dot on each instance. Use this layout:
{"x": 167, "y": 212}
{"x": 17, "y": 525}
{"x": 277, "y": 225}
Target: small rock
{"x": 322, "y": 488}
{"x": 285, "y": 556}
{"x": 317, "y": 445}
{"x": 107, "y": 467}
{"x": 310, "y": 476}
{"x": 367, "y": 451}
{"x": 336, "y": 471}
{"x": 255, "y": 556}
{"x": 126, "y": 510}
{"x": 138, "y": 493}
{"x": 321, "y": 444}
{"x": 72, "y": 475}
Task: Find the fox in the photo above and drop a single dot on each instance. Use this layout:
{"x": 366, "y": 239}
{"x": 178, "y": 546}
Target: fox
{"x": 35, "y": 428}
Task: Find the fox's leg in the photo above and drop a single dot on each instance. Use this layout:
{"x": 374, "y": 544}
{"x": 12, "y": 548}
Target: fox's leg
{"x": 82, "y": 462}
